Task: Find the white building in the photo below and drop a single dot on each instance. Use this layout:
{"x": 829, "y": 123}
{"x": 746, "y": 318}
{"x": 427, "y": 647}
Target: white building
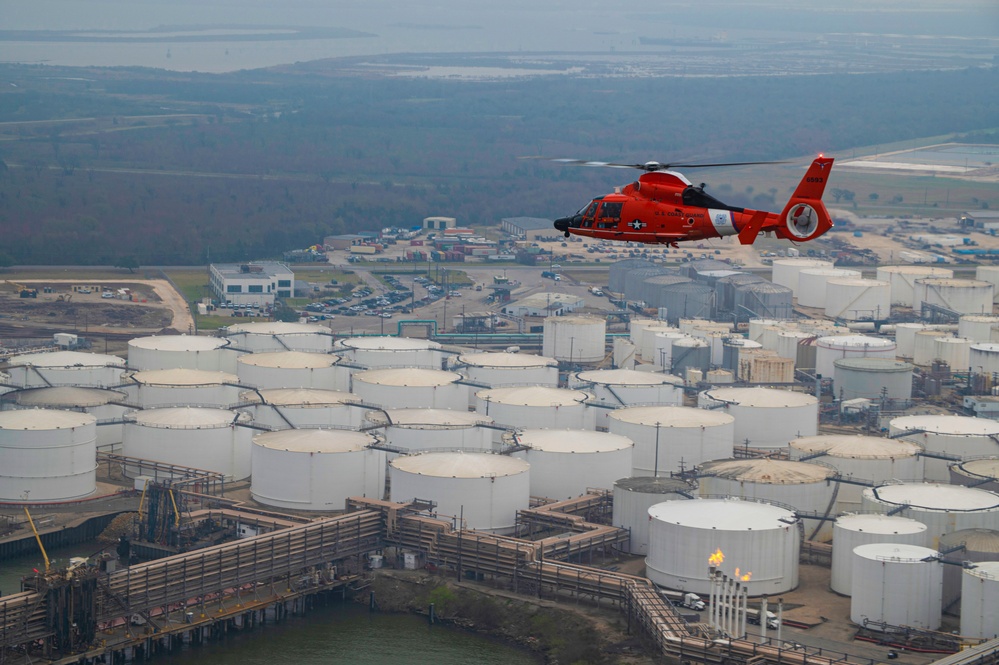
{"x": 257, "y": 283}
{"x": 544, "y": 304}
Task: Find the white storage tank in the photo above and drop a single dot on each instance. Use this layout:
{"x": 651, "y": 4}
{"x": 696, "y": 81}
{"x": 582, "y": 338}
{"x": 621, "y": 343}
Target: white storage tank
{"x": 812, "y": 284}
{"x": 565, "y": 463}
{"x": 183, "y": 387}
{"x": 789, "y": 342}
{"x": 984, "y": 357}
{"x": 292, "y": 369}
{"x": 988, "y": 274}
{"x": 662, "y": 347}
{"x": 978, "y": 327}
{"x": 102, "y": 403}
{"x": 942, "y": 508}
{"x": 872, "y": 378}
{"x": 509, "y": 369}
{"x": 758, "y": 539}
{"x": 903, "y": 281}
{"x": 669, "y": 439}
{"x": 955, "y": 351}
{"x": 649, "y": 341}
{"x": 637, "y": 327}
{"x": 181, "y": 351}
{"x": 853, "y": 530}
{"x": 966, "y": 296}
{"x": 47, "y": 456}
{"x": 960, "y": 436}
{"x": 805, "y": 486}
{"x": 690, "y": 353}
{"x": 855, "y": 299}
{"x": 627, "y": 387}
{"x": 315, "y": 469}
{"x": 536, "y": 407}
{"x": 65, "y": 368}
{"x": 765, "y": 417}
{"x": 377, "y": 352}
{"x": 905, "y": 338}
{"x": 896, "y": 584}
{"x": 574, "y": 339}
{"x": 293, "y": 408}
{"x": 634, "y": 496}
{"x": 980, "y": 601}
{"x": 199, "y": 438}
{"x": 786, "y": 271}
{"x": 830, "y": 349}
{"x": 982, "y": 473}
{"x": 411, "y": 387}
{"x": 421, "y": 430}
{"x": 860, "y": 458}
{"x": 484, "y": 490}
{"x": 925, "y": 347}
{"x": 270, "y": 336}
{"x": 964, "y": 546}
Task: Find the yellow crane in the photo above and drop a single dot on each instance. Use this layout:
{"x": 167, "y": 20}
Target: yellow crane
{"x": 37, "y": 538}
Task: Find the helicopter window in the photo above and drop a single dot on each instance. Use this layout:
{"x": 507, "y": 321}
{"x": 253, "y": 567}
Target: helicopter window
{"x": 612, "y": 211}
{"x": 696, "y": 196}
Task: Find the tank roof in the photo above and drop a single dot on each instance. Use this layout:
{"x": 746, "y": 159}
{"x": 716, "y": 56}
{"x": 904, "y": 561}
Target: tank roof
{"x": 916, "y": 270}
{"x": 722, "y": 514}
{"x": 671, "y": 416}
{"x": 534, "y": 396}
{"x": 880, "y": 524}
{"x": 947, "y": 424}
{"x": 315, "y": 440}
{"x": 408, "y": 377}
{"x": 767, "y": 471}
{"x": 289, "y": 360}
{"x": 389, "y": 344}
{"x": 427, "y": 418}
{"x": 856, "y": 281}
{"x": 856, "y": 446}
{"x": 654, "y": 485}
{"x": 183, "y": 377}
{"x": 854, "y": 341}
{"x": 577, "y": 320}
{"x": 931, "y": 496}
{"x": 298, "y": 397}
{"x": 73, "y": 396}
{"x": 36, "y": 420}
{"x": 953, "y": 282}
{"x": 760, "y": 397}
{"x": 985, "y": 541}
{"x": 185, "y": 417}
{"x": 895, "y": 552}
{"x": 873, "y": 364}
{"x": 506, "y": 360}
{"x": 986, "y": 569}
{"x": 178, "y": 343}
{"x": 67, "y": 359}
{"x": 985, "y": 467}
{"x": 570, "y": 441}
{"x": 277, "y": 328}
{"x": 800, "y": 261}
{"x": 460, "y": 465}
{"x": 628, "y": 377}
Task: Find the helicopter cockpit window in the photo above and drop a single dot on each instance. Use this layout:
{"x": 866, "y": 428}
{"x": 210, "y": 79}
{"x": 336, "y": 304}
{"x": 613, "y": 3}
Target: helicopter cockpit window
{"x": 589, "y": 213}
{"x": 610, "y": 215}
{"x": 696, "y": 196}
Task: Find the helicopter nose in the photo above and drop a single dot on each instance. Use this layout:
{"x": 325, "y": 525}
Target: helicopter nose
{"x": 562, "y": 224}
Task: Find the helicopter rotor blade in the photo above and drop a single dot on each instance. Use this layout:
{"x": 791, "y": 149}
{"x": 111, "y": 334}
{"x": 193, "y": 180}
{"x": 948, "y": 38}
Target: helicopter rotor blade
{"x": 650, "y": 167}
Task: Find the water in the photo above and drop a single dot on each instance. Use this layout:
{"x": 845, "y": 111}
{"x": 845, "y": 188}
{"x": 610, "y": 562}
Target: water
{"x": 348, "y": 634}
{"x": 12, "y": 570}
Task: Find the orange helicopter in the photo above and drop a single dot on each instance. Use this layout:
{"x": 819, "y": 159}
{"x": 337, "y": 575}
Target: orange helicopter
{"x": 663, "y": 207}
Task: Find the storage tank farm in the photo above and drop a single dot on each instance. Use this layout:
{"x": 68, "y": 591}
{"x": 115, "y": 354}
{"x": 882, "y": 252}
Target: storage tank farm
{"x": 379, "y": 352}
{"x": 617, "y": 388}
{"x": 951, "y": 438}
{"x": 787, "y": 271}
{"x": 104, "y": 404}
{"x": 902, "y": 280}
{"x": 536, "y": 407}
{"x": 411, "y": 387}
{"x": 982, "y": 473}
{"x": 813, "y": 281}
{"x": 423, "y": 430}
{"x": 564, "y": 463}
{"x": 292, "y": 369}
{"x": 963, "y": 547}
{"x": 280, "y": 408}
{"x": 671, "y": 439}
{"x": 181, "y": 352}
{"x": 764, "y": 417}
{"x": 182, "y": 387}
{"x": 280, "y": 336}
{"x": 493, "y": 370}
{"x": 942, "y": 508}
{"x": 635, "y": 495}
{"x": 65, "y": 368}
{"x": 854, "y": 529}
{"x": 979, "y": 328}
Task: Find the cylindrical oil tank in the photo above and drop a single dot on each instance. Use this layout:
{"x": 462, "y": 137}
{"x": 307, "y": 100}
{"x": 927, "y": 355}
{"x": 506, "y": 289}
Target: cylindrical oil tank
{"x": 925, "y": 346}
{"x": 905, "y": 338}
{"x": 421, "y": 430}
{"x": 619, "y": 270}
{"x": 980, "y": 601}
{"x": 812, "y": 283}
{"x": 942, "y": 508}
{"x": 536, "y": 407}
{"x": 854, "y": 299}
{"x": 760, "y": 328}
{"x": 830, "y": 349}
{"x": 725, "y": 289}
{"x": 690, "y": 353}
{"x": 485, "y": 491}
{"x": 618, "y": 388}
{"x": 965, "y": 296}
{"x": 183, "y": 387}
{"x": 988, "y": 274}
{"x": 47, "y": 456}
{"x": 292, "y": 369}
{"x": 662, "y": 347}
{"x": 284, "y": 408}
{"x": 962, "y": 437}
{"x": 273, "y": 336}
{"x": 102, "y": 403}
{"x": 765, "y": 417}
{"x": 805, "y": 486}
{"x": 574, "y": 339}
{"x": 199, "y": 438}
{"x": 634, "y": 281}
{"x": 903, "y": 281}
{"x": 634, "y": 496}
{"x": 967, "y": 545}
{"x": 637, "y": 327}
{"x": 984, "y": 357}
{"x": 411, "y": 388}
{"x": 978, "y": 327}
{"x": 852, "y": 530}
{"x": 508, "y": 369}
{"x": 651, "y": 289}
{"x": 982, "y": 473}
{"x": 565, "y": 463}
{"x": 65, "y": 368}
{"x": 687, "y": 300}
{"x": 787, "y": 271}
{"x": 872, "y": 378}
{"x": 378, "y": 352}
{"x": 181, "y": 352}
{"x": 733, "y": 349}
{"x": 315, "y": 469}
{"x": 670, "y": 439}
{"x": 789, "y": 342}
{"x": 896, "y": 584}
{"x": 648, "y": 335}
{"x": 861, "y": 458}
{"x": 759, "y": 539}
{"x": 955, "y": 351}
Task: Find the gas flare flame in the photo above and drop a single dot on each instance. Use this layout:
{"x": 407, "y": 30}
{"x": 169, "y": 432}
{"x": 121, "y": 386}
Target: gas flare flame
{"x": 744, "y": 577}
{"x": 716, "y": 558}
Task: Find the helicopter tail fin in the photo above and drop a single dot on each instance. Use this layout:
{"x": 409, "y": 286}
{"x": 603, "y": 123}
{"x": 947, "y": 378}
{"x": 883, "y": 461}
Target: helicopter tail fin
{"x": 749, "y": 233}
{"x": 805, "y": 216}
